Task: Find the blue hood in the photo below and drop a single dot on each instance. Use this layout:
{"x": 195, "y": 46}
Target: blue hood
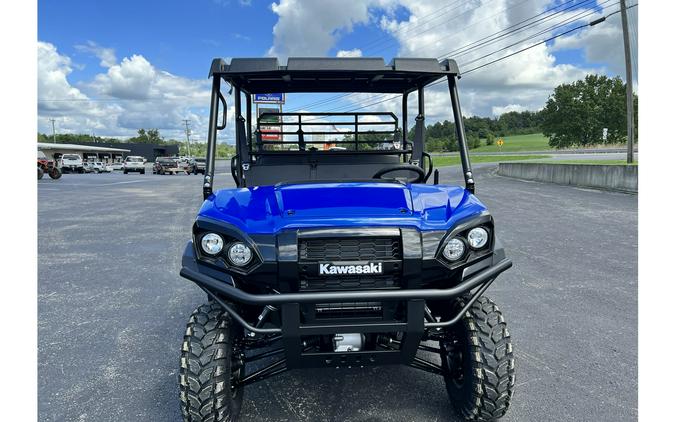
{"x": 270, "y": 209}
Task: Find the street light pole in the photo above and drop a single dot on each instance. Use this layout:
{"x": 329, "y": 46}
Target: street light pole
{"x": 629, "y": 82}
{"x": 53, "y": 130}
{"x": 187, "y": 134}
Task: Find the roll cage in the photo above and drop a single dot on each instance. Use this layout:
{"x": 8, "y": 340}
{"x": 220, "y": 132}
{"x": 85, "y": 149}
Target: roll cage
{"x": 295, "y": 154}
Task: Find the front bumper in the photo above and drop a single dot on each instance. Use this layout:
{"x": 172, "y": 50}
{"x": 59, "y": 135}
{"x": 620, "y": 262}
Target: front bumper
{"x": 294, "y": 330}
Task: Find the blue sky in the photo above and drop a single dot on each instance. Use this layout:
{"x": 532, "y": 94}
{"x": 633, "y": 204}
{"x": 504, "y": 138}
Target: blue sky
{"x": 111, "y": 67}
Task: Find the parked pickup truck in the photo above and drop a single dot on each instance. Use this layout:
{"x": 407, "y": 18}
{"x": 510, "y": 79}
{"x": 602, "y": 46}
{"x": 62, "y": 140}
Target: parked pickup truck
{"x": 71, "y": 163}
{"x": 199, "y": 166}
{"x": 167, "y": 165}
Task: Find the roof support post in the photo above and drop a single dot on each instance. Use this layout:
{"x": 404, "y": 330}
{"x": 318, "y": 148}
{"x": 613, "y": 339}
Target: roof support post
{"x": 404, "y": 112}
{"x": 211, "y": 141}
{"x": 240, "y": 137}
{"x": 249, "y": 132}
{"x": 461, "y": 135}
{"x": 418, "y": 143}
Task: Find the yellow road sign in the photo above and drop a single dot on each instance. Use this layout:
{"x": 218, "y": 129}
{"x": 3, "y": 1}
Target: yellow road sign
{"x": 500, "y": 142}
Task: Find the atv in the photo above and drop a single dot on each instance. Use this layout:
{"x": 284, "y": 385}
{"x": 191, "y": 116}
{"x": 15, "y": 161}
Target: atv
{"x": 336, "y": 249}
{"x": 48, "y": 166}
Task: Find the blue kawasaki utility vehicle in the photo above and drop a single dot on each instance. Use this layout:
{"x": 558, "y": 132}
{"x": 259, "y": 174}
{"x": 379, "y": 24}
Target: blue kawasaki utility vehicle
{"x": 335, "y": 249}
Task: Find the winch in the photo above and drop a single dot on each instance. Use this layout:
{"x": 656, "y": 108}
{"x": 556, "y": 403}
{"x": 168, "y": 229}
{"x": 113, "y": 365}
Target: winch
{"x": 349, "y": 342}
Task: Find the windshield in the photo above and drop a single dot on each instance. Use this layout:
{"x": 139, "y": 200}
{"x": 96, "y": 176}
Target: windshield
{"x": 71, "y": 157}
{"x": 134, "y": 159}
{"x": 200, "y": 160}
{"x": 167, "y": 160}
{"x": 41, "y": 155}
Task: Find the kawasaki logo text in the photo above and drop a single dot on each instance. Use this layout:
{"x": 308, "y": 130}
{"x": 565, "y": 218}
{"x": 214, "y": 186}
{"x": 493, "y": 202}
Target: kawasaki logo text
{"x": 330, "y": 269}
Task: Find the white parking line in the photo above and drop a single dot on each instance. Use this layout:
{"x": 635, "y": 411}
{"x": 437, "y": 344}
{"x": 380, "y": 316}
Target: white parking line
{"x": 103, "y": 184}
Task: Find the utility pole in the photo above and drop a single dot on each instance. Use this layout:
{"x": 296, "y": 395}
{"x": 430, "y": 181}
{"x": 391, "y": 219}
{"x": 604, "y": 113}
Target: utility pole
{"x": 187, "y": 134}
{"x": 53, "y": 130}
{"x": 629, "y": 82}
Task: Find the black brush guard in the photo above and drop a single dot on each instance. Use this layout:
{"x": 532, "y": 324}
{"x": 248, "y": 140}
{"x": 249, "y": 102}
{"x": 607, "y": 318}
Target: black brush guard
{"x": 292, "y": 329}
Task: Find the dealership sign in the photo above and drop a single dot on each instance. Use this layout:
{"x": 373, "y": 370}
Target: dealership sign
{"x": 278, "y": 98}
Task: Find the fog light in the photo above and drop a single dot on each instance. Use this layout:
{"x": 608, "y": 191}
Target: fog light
{"x": 478, "y": 237}
{"x": 212, "y": 243}
{"x": 239, "y": 254}
{"x": 454, "y": 249}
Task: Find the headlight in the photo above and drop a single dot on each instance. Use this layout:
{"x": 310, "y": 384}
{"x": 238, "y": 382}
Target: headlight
{"x": 212, "y": 243}
{"x": 239, "y": 254}
{"x": 454, "y": 249}
{"x": 477, "y": 237}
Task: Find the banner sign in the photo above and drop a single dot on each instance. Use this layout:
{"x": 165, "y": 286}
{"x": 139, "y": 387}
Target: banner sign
{"x": 278, "y": 98}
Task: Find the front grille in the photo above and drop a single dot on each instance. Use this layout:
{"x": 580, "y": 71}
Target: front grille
{"x": 348, "y": 310}
{"x": 345, "y": 282}
{"x": 350, "y": 249}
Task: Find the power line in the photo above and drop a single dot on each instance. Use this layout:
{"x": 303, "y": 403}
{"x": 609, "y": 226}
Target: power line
{"x": 337, "y": 97}
{"x": 421, "y": 21}
{"x": 564, "y": 23}
{"x": 437, "y": 15}
{"x": 510, "y": 30}
{"x": 468, "y": 47}
{"x": 595, "y": 22}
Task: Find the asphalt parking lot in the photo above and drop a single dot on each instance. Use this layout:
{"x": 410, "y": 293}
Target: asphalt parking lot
{"x": 112, "y": 308}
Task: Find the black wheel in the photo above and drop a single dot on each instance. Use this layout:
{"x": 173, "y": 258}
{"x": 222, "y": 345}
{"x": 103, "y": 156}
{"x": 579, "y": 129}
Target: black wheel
{"x": 209, "y": 365}
{"x": 55, "y": 173}
{"x": 477, "y": 356}
{"x": 142, "y": 171}
{"x": 126, "y": 172}
{"x": 40, "y": 173}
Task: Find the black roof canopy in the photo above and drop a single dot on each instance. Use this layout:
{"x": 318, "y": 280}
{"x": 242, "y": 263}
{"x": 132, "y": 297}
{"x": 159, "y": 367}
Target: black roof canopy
{"x": 341, "y": 74}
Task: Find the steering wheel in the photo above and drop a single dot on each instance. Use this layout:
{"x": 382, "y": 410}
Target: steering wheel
{"x": 415, "y": 169}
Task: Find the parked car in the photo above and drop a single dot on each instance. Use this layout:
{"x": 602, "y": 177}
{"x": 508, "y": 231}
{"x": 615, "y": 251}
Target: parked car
{"x": 102, "y": 167}
{"x": 45, "y": 165}
{"x": 199, "y": 166}
{"x": 96, "y": 167}
{"x": 134, "y": 163}
{"x": 88, "y": 167}
{"x": 164, "y": 165}
{"x": 71, "y": 163}
{"x": 116, "y": 165}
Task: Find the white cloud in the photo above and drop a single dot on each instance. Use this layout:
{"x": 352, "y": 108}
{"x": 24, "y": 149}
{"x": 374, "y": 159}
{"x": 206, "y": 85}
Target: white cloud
{"x": 350, "y": 53}
{"x": 435, "y": 28}
{"x": 526, "y": 79}
{"x": 130, "y": 95}
{"x": 602, "y": 43}
{"x": 498, "y": 111}
{"x": 311, "y": 28}
{"x": 53, "y": 71}
{"x": 132, "y": 79}
{"x": 106, "y": 55}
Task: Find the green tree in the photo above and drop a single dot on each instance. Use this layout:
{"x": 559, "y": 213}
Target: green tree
{"x": 150, "y": 136}
{"x": 576, "y": 113}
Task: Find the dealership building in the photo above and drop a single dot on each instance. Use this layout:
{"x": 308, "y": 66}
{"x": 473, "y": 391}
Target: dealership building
{"x": 108, "y": 152}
